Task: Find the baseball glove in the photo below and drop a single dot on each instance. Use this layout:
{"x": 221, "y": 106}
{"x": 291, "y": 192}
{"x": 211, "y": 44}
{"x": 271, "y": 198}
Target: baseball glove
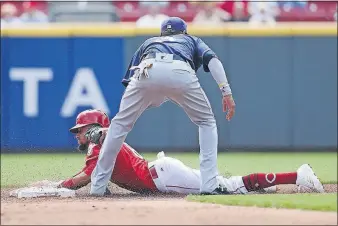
{"x": 94, "y": 134}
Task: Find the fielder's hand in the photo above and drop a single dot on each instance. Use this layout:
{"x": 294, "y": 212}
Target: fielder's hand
{"x": 229, "y": 105}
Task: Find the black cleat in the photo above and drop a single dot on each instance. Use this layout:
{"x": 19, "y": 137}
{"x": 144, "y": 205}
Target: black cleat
{"x": 218, "y": 191}
{"x": 107, "y": 192}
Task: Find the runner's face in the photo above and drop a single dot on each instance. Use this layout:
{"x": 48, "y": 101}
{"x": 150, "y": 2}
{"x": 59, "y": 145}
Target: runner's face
{"x": 80, "y": 135}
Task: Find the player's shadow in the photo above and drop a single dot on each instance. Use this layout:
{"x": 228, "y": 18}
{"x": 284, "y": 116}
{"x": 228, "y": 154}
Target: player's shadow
{"x": 134, "y": 196}
{"x": 117, "y": 192}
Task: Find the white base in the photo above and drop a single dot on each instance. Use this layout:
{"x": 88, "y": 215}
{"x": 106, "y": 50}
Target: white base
{"x": 35, "y": 192}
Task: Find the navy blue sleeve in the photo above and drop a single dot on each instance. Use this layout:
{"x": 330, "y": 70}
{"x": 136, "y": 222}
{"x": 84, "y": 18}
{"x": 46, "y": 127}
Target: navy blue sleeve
{"x": 205, "y": 54}
{"x": 136, "y": 60}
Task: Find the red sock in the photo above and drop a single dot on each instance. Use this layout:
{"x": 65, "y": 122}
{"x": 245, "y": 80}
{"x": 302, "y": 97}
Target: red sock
{"x": 257, "y": 181}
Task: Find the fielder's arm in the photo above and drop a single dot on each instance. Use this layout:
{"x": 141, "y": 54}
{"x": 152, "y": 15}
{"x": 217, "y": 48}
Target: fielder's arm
{"x": 212, "y": 64}
{"x": 217, "y": 71}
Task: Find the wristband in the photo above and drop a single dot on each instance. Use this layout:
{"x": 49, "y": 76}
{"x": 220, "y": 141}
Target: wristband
{"x": 225, "y": 89}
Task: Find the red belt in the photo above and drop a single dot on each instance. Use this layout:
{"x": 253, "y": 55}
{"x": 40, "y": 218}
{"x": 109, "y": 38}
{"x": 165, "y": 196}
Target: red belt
{"x": 153, "y": 172}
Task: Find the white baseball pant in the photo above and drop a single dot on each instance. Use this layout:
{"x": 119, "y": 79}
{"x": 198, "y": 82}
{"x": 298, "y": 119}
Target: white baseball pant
{"x": 173, "y": 176}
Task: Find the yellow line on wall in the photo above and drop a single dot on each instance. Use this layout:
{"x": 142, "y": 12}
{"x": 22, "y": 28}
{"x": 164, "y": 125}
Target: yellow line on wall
{"x": 129, "y": 30}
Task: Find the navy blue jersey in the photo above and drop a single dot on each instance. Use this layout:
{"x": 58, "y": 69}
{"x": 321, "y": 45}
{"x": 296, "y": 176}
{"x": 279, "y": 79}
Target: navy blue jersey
{"x": 189, "y": 47}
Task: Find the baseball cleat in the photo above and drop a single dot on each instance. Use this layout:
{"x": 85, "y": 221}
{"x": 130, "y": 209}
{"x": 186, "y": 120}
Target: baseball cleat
{"x": 221, "y": 190}
{"x": 308, "y": 179}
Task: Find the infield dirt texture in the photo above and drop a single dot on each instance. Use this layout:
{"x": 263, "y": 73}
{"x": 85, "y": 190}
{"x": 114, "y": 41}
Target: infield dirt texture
{"x": 126, "y": 207}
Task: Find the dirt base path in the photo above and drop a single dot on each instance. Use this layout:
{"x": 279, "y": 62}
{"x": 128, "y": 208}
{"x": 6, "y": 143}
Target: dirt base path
{"x": 133, "y": 209}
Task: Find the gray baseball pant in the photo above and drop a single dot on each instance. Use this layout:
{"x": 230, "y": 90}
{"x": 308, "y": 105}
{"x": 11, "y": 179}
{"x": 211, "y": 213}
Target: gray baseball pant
{"x": 175, "y": 81}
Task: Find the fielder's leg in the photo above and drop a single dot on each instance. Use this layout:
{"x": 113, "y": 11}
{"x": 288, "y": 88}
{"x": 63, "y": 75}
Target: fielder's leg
{"x": 182, "y": 86}
{"x": 196, "y": 104}
{"x": 137, "y": 97}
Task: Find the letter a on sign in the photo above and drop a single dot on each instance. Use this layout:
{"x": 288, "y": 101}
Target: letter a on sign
{"x": 84, "y": 80}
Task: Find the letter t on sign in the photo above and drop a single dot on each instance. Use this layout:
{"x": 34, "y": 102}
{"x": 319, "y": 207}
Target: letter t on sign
{"x": 31, "y": 78}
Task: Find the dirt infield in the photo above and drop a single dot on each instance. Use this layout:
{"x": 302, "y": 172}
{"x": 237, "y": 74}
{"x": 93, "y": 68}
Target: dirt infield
{"x": 129, "y": 208}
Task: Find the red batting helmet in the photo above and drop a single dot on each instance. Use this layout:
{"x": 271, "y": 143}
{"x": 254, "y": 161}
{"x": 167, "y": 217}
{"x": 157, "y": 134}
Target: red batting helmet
{"x": 89, "y": 117}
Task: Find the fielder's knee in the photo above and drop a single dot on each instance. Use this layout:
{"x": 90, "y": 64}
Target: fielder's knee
{"x": 209, "y": 123}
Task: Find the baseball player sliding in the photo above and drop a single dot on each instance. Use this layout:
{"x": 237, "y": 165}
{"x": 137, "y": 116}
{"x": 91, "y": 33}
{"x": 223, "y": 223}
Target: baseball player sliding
{"x": 164, "y": 68}
{"x": 165, "y": 175}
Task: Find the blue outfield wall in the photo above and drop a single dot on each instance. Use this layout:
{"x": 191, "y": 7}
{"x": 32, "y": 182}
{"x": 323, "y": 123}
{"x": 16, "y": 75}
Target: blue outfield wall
{"x": 85, "y": 73}
{"x": 285, "y": 89}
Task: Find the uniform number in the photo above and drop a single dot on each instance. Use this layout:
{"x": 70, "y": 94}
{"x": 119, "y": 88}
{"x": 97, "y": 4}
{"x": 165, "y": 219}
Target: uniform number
{"x": 134, "y": 152}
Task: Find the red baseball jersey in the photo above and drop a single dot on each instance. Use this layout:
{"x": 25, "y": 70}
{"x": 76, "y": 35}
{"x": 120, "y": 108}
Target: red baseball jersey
{"x": 130, "y": 171}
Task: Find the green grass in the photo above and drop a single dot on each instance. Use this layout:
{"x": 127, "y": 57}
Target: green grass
{"x": 319, "y": 202}
{"x": 21, "y": 169}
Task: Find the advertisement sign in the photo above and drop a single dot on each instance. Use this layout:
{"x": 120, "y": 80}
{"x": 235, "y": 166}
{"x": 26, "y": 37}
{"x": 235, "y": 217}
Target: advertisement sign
{"x": 46, "y": 82}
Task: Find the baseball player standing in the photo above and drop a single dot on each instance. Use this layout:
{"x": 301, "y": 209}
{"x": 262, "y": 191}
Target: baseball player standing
{"x": 164, "y": 68}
